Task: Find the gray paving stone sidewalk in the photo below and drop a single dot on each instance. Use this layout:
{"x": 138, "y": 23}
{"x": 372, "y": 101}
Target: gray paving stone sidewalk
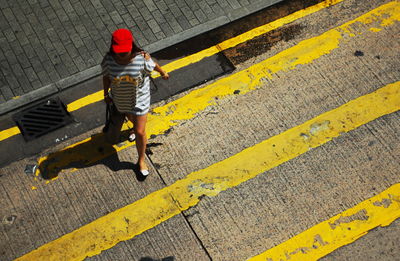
{"x": 49, "y": 45}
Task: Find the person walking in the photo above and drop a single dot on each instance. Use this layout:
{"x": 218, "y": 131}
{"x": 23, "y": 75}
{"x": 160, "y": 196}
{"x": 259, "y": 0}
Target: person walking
{"x": 126, "y": 83}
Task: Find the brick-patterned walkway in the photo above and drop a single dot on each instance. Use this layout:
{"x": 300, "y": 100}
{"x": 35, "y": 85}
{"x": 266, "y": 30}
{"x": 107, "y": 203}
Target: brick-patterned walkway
{"x": 43, "y": 42}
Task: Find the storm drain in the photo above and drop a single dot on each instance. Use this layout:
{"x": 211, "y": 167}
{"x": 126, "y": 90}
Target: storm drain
{"x": 42, "y": 118}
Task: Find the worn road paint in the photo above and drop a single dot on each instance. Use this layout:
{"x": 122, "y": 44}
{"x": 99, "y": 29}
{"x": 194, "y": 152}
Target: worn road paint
{"x": 175, "y": 65}
{"x": 163, "y": 118}
{"x": 159, "y": 206}
{"x": 340, "y": 230}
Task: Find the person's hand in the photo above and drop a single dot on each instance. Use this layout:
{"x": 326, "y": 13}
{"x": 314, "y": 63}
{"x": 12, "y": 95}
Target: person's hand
{"x": 165, "y": 75}
{"x": 107, "y": 99}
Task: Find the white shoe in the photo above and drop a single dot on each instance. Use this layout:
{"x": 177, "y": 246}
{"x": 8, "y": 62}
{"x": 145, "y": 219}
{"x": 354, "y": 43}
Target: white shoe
{"x": 132, "y": 137}
{"x": 144, "y": 172}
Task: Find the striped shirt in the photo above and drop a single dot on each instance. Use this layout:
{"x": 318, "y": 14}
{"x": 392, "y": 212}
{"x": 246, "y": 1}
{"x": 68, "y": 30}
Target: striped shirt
{"x": 130, "y": 83}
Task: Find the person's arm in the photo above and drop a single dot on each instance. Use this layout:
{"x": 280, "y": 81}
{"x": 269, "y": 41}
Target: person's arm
{"x": 163, "y": 73}
{"x": 158, "y": 68}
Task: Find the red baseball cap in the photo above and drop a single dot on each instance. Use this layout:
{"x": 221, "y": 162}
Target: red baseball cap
{"x": 122, "y": 41}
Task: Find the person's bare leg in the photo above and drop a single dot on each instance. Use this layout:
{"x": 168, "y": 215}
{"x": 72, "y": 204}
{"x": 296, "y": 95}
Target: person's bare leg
{"x": 139, "y": 126}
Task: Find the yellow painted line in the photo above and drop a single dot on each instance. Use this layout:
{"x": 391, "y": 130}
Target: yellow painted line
{"x": 169, "y": 115}
{"x": 98, "y": 96}
{"x": 340, "y": 230}
{"x": 5, "y": 134}
{"x": 84, "y": 101}
{"x": 159, "y": 206}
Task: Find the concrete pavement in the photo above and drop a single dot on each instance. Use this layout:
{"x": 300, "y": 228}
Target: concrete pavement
{"x": 47, "y": 46}
{"x": 293, "y": 82}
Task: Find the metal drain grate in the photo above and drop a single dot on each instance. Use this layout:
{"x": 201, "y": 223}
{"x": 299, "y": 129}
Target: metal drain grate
{"x": 42, "y": 118}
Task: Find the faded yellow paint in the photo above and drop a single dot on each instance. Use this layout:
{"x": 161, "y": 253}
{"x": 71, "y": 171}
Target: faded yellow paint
{"x": 144, "y": 214}
{"x": 169, "y": 115}
{"x": 340, "y": 230}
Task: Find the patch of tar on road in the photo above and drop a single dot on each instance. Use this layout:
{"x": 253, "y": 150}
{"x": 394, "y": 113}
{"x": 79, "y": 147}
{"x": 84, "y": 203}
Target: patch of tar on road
{"x": 263, "y": 43}
{"x": 360, "y": 215}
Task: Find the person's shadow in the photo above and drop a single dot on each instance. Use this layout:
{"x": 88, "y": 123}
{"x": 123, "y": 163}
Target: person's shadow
{"x": 92, "y": 152}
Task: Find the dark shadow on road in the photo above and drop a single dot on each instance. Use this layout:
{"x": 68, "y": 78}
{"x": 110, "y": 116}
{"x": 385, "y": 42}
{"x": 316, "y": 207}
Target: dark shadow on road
{"x": 92, "y": 152}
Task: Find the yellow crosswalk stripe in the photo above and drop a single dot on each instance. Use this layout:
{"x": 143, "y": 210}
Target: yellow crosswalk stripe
{"x": 175, "y": 65}
{"x": 334, "y": 233}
